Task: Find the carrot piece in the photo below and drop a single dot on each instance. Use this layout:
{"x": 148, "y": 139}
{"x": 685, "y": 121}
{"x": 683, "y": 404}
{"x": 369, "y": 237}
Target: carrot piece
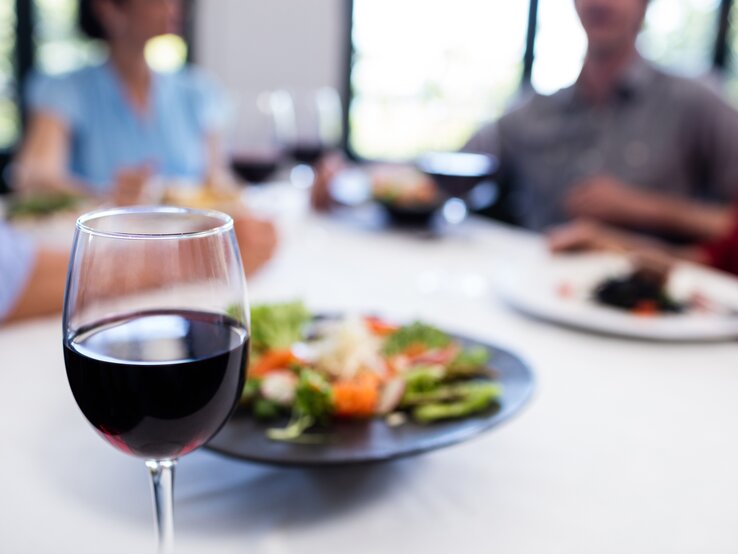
{"x": 357, "y": 397}
{"x": 646, "y": 308}
{"x": 272, "y": 360}
{"x": 440, "y": 356}
{"x": 379, "y": 327}
{"x": 415, "y": 349}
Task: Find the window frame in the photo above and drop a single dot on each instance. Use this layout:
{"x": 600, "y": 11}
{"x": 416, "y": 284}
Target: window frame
{"x": 721, "y": 59}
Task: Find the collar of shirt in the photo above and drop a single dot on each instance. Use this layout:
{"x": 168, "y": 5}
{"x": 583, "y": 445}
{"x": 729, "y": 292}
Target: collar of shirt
{"x": 636, "y": 78}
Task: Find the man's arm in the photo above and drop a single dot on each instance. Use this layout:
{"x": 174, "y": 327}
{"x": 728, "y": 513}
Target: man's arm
{"x": 609, "y": 200}
{"x": 584, "y": 235}
{"x": 711, "y": 129}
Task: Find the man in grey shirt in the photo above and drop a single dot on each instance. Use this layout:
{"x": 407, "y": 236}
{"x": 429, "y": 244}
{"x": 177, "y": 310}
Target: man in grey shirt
{"x": 627, "y": 143}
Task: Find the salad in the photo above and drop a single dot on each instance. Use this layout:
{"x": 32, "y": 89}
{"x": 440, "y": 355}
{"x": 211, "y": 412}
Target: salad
{"x": 312, "y": 372}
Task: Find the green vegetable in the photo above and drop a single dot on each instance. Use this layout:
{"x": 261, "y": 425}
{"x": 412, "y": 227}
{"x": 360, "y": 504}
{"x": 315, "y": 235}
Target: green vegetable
{"x": 275, "y": 326}
{"x": 236, "y": 311}
{"x": 468, "y": 362}
{"x": 423, "y": 379}
{"x": 250, "y": 390}
{"x": 40, "y": 205}
{"x": 266, "y": 409}
{"x": 458, "y": 390}
{"x": 416, "y": 333}
{"x": 313, "y": 405}
{"x": 478, "y": 397}
{"x": 442, "y": 393}
{"x": 313, "y": 397}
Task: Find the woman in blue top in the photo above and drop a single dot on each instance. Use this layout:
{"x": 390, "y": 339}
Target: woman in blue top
{"x": 106, "y": 129}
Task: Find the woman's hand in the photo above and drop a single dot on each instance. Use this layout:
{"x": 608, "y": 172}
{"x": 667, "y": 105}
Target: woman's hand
{"x": 130, "y": 185}
{"x": 257, "y": 240}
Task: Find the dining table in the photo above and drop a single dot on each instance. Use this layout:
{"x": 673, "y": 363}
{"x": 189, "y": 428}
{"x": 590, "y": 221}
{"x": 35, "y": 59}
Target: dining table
{"x": 627, "y": 446}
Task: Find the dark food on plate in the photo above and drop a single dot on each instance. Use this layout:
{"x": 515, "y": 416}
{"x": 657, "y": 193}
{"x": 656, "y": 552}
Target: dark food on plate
{"x": 312, "y": 371}
{"x": 642, "y": 292}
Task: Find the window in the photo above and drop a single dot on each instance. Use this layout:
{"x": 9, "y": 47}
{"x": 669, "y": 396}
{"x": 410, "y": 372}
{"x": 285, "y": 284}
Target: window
{"x": 559, "y": 47}
{"x": 680, "y": 34}
{"x": 9, "y": 115}
{"x": 59, "y": 45}
{"x": 732, "y": 73}
{"x": 462, "y": 64}
{"x": 465, "y": 62}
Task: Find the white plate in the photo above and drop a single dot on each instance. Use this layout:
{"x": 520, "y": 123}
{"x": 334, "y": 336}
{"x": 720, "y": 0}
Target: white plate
{"x": 534, "y": 287}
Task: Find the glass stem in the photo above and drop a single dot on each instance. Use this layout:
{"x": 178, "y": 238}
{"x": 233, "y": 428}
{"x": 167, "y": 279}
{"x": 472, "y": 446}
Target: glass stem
{"x": 162, "y": 485}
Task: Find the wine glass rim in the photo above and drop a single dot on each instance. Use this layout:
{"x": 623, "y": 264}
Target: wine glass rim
{"x": 224, "y": 222}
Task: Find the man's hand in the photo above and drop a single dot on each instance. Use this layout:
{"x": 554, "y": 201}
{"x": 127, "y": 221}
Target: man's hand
{"x": 607, "y": 199}
{"x": 257, "y": 240}
{"x": 586, "y": 235}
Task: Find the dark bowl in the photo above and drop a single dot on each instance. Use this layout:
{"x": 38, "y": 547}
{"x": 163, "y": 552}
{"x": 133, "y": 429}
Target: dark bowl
{"x": 457, "y": 173}
{"x": 410, "y": 214}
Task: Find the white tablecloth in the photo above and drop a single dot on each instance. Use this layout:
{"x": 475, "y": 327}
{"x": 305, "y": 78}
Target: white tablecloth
{"x": 627, "y": 447}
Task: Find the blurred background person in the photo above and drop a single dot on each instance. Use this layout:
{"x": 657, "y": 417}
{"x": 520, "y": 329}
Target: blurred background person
{"x": 627, "y": 144}
{"x": 108, "y": 129}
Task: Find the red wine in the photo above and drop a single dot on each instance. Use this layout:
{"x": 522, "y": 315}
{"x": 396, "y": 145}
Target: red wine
{"x": 158, "y": 384}
{"x": 254, "y": 168}
{"x": 307, "y": 153}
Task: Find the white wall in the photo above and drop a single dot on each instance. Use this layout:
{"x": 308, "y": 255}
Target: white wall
{"x": 253, "y": 45}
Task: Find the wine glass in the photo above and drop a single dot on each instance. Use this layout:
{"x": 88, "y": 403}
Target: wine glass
{"x": 255, "y": 150}
{"x": 156, "y": 334}
{"x": 310, "y": 125}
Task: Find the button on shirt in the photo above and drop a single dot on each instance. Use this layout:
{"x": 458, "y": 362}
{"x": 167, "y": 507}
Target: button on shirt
{"x": 658, "y": 132}
{"x": 16, "y": 262}
{"x": 108, "y": 134}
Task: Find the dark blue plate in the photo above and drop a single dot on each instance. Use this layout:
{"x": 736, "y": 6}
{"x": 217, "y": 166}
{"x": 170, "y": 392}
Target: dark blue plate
{"x": 360, "y": 442}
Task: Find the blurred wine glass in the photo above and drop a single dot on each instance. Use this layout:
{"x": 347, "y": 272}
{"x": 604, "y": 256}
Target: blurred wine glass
{"x": 457, "y": 175}
{"x": 255, "y": 149}
{"x": 309, "y": 124}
